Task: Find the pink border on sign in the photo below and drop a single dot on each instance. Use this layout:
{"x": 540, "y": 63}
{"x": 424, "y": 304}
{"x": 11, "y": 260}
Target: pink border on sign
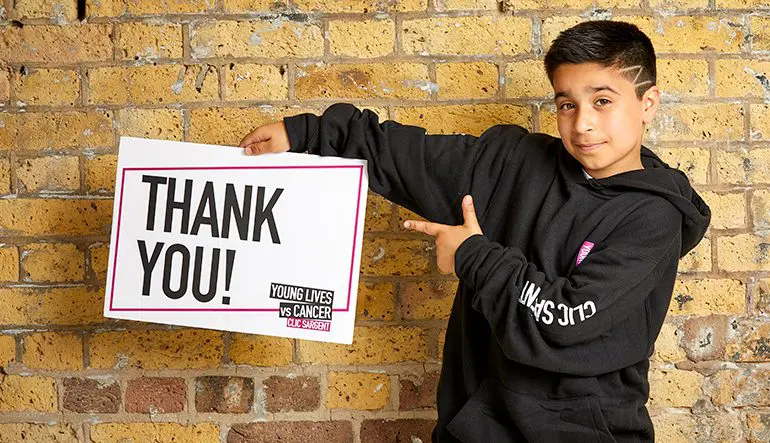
{"x": 198, "y": 168}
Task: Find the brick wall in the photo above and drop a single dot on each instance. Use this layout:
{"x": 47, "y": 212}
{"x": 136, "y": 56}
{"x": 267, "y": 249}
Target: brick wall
{"x": 210, "y": 70}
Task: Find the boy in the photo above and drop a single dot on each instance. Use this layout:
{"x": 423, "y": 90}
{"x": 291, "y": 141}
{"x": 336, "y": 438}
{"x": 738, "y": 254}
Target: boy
{"x": 566, "y": 275}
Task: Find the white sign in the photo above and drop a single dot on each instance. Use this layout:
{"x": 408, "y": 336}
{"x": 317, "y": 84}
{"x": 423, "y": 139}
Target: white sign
{"x": 206, "y": 236}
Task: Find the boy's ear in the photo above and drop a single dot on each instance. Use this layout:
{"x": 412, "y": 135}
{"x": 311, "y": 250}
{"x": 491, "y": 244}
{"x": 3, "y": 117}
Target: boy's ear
{"x": 650, "y": 104}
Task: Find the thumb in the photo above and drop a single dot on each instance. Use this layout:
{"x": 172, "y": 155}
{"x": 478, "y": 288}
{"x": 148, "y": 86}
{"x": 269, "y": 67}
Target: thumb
{"x": 469, "y": 213}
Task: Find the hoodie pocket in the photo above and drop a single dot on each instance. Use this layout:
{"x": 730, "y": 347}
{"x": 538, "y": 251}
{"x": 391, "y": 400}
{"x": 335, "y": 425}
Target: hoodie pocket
{"x": 480, "y": 421}
{"x": 496, "y": 414}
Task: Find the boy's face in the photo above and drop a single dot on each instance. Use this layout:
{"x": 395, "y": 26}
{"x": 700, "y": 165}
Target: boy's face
{"x": 601, "y": 121}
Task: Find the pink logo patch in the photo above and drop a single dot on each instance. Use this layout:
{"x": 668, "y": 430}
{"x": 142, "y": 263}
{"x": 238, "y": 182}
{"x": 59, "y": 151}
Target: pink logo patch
{"x": 584, "y": 250}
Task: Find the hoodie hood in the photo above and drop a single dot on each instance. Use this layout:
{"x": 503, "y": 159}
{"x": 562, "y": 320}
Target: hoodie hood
{"x": 671, "y": 184}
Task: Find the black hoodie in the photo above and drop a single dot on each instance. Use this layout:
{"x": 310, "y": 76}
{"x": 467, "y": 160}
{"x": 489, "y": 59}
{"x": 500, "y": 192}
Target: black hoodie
{"x": 561, "y": 299}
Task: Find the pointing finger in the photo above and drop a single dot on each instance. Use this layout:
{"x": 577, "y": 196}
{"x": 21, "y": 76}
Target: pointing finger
{"x": 424, "y": 227}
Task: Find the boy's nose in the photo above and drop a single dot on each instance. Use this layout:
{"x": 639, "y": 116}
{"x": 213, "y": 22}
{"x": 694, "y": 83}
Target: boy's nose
{"x": 584, "y": 121}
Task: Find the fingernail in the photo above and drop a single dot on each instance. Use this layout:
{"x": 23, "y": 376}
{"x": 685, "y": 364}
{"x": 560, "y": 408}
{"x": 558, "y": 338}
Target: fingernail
{"x": 407, "y": 225}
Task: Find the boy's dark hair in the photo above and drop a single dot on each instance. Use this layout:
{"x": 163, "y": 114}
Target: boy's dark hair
{"x": 609, "y": 43}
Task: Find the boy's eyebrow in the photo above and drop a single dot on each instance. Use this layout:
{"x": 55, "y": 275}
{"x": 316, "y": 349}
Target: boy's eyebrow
{"x": 591, "y": 89}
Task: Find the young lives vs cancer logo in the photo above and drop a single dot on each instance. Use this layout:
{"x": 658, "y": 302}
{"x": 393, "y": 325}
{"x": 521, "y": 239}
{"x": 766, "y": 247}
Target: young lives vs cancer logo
{"x": 304, "y": 308}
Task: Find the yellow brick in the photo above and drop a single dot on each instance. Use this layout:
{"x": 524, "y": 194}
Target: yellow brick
{"x": 9, "y": 263}
{"x": 697, "y": 260}
{"x": 567, "y": 4}
{"x": 149, "y": 41}
{"x": 743, "y": 252}
{"x": 350, "y": 390}
{"x": 248, "y": 5}
{"x": 467, "y": 80}
{"x": 674, "y": 427}
{"x": 685, "y": 78}
{"x": 164, "y": 124}
{"x": 7, "y": 351}
{"x": 749, "y": 343}
{"x": 19, "y": 393}
{"x": 156, "y": 349}
{"x": 493, "y": 35}
{"x": 687, "y": 34}
{"x": 370, "y": 346}
{"x": 259, "y": 350}
{"x": 139, "y": 7}
{"x": 760, "y": 209}
{"x": 362, "y": 39}
{"x": 337, "y": 6}
{"x": 54, "y": 351}
{"x": 153, "y": 84}
{"x": 385, "y": 257}
{"x": 674, "y": 388}
{"x": 56, "y": 44}
{"x": 448, "y": 5}
{"x": 47, "y": 86}
{"x": 256, "y": 82}
{"x": 735, "y": 4}
{"x": 379, "y": 213}
{"x": 53, "y": 262}
{"x": 727, "y": 210}
{"x": 375, "y": 301}
{"x": 32, "y": 130}
{"x": 99, "y": 260}
{"x": 744, "y": 167}
{"x": 51, "y": 306}
{"x": 105, "y": 8}
{"x": 552, "y": 26}
{"x": 760, "y": 33}
{"x": 154, "y": 432}
{"x": 58, "y": 11}
{"x": 358, "y": 81}
{"x": 5, "y": 176}
{"x": 227, "y": 126}
{"x": 468, "y": 119}
{"x": 527, "y": 78}
{"x": 759, "y": 121}
{"x": 548, "y": 124}
{"x": 692, "y": 161}
{"x": 100, "y": 173}
{"x": 272, "y": 39}
{"x": 441, "y": 343}
{"x": 713, "y": 121}
{"x": 758, "y": 427}
{"x": 742, "y": 78}
{"x": 708, "y": 296}
{"x": 31, "y": 432}
{"x": 55, "y": 216}
{"x": 678, "y": 4}
{"x": 427, "y": 300}
{"x": 667, "y": 348}
{"x": 5, "y": 84}
{"x": 761, "y": 297}
{"x": 48, "y": 174}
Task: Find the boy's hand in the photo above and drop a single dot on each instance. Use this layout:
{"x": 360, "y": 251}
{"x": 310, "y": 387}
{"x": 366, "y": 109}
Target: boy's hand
{"x": 271, "y": 137}
{"x": 449, "y": 238}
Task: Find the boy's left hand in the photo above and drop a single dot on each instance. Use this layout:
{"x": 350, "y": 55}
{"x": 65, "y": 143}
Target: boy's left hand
{"x": 449, "y": 238}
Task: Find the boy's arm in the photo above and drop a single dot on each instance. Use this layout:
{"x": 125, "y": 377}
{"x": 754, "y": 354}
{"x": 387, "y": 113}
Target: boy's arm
{"x": 581, "y": 324}
{"x": 428, "y": 174}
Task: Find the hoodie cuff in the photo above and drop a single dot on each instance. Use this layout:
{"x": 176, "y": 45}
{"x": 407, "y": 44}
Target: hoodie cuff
{"x": 466, "y": 256}
{"x": 302, "y": 130}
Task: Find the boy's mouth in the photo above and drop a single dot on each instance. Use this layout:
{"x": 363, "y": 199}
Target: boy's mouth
{"x": 587, "y": 147}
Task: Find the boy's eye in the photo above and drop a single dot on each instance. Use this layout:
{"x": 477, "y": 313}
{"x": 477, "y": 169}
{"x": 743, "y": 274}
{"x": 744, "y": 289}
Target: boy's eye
{"x": 566, "y": 106}
{"x": 603, "y": 101}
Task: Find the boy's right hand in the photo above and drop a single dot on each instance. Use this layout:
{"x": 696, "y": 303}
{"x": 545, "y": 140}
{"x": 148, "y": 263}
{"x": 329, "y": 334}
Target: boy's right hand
{"x": 268, "y": 138}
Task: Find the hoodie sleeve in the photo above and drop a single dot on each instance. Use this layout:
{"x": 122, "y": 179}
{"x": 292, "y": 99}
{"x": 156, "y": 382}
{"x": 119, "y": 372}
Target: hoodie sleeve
{"x": 428, "y": 174}
{"x": 563, "y": 324}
